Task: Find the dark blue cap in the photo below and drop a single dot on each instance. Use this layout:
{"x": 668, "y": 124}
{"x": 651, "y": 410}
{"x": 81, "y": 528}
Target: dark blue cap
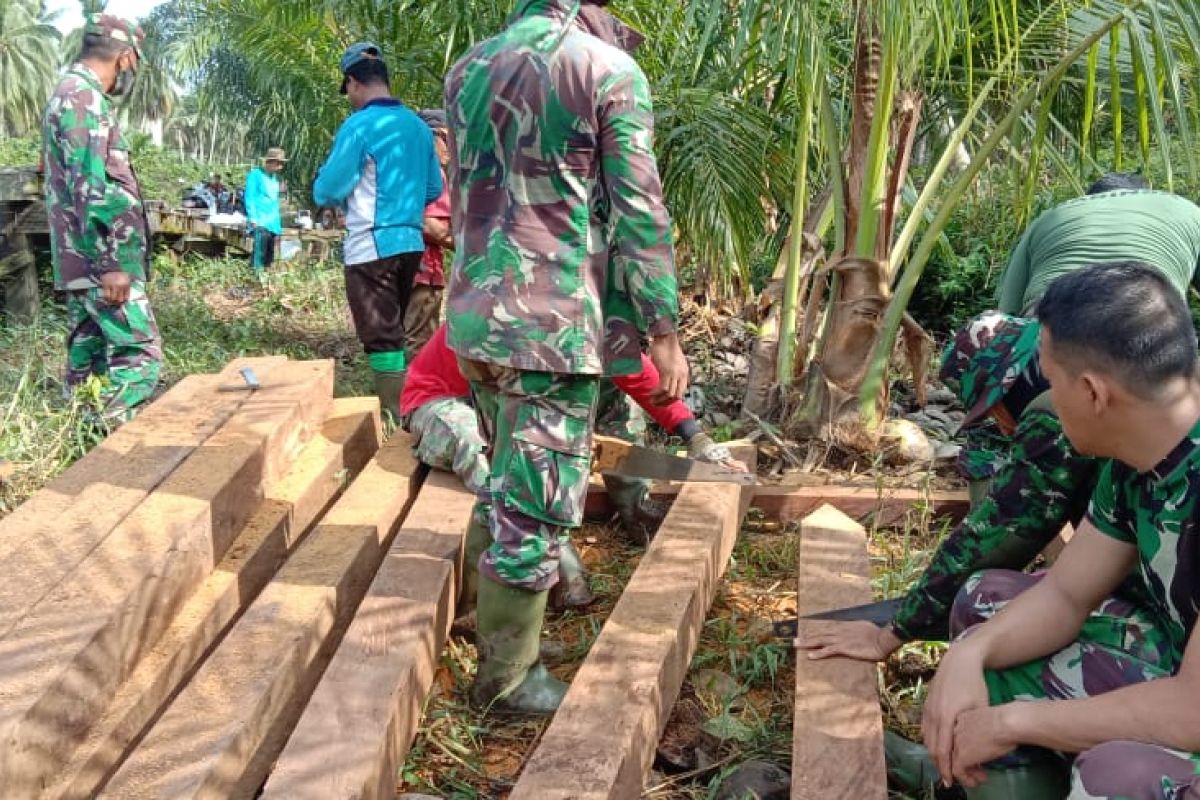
{"x": 356, "y": 54}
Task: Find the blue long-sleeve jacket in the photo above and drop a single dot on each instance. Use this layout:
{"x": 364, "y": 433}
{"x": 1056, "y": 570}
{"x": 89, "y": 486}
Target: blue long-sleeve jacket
{"x": 384, "y": 171}
{"x": 262, "y": 200}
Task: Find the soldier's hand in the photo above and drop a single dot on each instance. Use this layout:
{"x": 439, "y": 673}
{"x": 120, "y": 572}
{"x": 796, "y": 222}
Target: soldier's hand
{"x": 860, "y": 639}
{"x": 957, "y": 688}
{"x": 115, "y": 287}
{"x": 672, "y": 366}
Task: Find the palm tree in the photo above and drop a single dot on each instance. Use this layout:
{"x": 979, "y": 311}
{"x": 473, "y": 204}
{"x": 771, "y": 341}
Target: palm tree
{"x": 1014, "y": 78}
{"x": 154, "y": 96}
{"x": 28, "y": 62}
{"x": 762, "y": 105}
{"x": 272, "y": 67}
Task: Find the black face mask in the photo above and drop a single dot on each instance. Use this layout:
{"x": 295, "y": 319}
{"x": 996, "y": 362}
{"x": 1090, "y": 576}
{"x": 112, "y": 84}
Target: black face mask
{"x": 124, "y": 84}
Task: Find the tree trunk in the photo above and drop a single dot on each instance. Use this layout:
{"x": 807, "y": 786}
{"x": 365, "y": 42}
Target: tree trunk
{"x": 760, "y": 381}
{"x": 832, "y": 379}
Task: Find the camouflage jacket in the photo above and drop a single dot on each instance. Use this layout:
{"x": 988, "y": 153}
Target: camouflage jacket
{"x": 1158, "y": 511}
{"x": 1043, "y": 485}
{"x": 563, "y": 248}
{"x": 93, "y": 202}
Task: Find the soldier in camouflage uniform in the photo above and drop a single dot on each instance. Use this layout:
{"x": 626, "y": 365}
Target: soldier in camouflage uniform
{"x": 1119, "y": 349}
{"x": 1041, "y": 485}
{"x": 552, "y": 163}
{"x": 98, "y": 233}
{"x": 435, "y": 407}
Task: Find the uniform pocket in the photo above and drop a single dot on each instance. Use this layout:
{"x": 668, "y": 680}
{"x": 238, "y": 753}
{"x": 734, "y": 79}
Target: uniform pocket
{"x": 547, "y": 475}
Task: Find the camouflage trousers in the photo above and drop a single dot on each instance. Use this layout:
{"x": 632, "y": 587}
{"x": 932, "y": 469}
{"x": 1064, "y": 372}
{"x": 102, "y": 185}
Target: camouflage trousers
{"x": 1119, "y": 645}
{"x": 119, "y": 344}
{"x": 538, "y": 428}
{"x": 447, "y": 437}
{"x": 618, "y": 415}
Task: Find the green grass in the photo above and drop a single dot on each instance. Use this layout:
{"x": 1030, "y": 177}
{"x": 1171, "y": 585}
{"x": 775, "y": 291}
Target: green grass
{"x": 209, "y": 311}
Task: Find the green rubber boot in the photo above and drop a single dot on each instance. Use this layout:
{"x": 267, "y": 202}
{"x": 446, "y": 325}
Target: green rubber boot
{"x": 910, "y": 769}
{"x": 572, "y": 590}
{"x": 477, "y": 539}
{"x": 909, "y": 766}
{"x": 639, "y": 513}
{"x": 388, "y": 386}
{"x": 1042, "y": 780}
{"x": 509, "y": 676}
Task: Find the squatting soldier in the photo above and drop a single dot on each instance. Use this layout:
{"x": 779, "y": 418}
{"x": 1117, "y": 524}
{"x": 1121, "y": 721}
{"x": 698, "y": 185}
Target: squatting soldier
{"x": 552, "y": 163}
{"x": 1041, "y": 484}
{"x": 435, "y": 408}
{"x": 98, "y": 233}
{"x": 1119, "y": 350}
{"x": 383, "y": 171}
{"x": 1158, "y": 228}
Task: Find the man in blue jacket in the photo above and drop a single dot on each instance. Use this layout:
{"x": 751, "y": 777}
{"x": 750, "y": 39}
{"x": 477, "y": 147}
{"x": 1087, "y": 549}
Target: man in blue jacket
{"x": 263, "y": 220}
{"x": 383, "y": 171}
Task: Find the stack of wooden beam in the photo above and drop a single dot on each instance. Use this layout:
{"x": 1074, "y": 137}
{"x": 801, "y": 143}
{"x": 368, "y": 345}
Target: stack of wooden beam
{"x": 244, "y": 593}
{"x": 169, "y": 604}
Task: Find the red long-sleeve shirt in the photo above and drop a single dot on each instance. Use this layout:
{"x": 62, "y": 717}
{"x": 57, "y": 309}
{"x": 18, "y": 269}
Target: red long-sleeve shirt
{"x": 434, "y": 374}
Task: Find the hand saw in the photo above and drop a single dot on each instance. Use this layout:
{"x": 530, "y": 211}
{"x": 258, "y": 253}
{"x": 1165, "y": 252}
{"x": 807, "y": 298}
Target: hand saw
{"x": 618, "y": 457}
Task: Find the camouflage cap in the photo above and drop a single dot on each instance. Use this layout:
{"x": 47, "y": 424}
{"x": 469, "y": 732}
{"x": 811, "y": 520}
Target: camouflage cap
{"x": 985, "y": 359}
{"x": 113, "y": 27}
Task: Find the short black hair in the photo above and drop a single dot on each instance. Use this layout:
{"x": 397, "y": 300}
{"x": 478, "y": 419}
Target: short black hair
{"x": 103, "y": 48}
{"x": 369, "y": 71}
{"x": 1124, "y": 319}
{"x": 1114, "y": 181}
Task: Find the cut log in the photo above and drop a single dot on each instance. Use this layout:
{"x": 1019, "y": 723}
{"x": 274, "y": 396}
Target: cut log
{"x": 202, "y": 743}
{"x": 49, "y": 534}
{"x": 62, "y": 662}
{"x": 364, "y": 714}
{"x": 838, "y": 728}
{"x": 601, "y": 742}
{"x": 790, "y": 503}
{"x": 348, "y": 440}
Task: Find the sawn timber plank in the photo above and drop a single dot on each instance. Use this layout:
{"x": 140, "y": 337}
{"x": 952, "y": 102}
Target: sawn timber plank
{"x": 601, "y": 741}
{"x": 347, "y": 441}
{"x": 62, "y": 662}
{"x": 837, "y": 747}
{"x": 49, "y": 534}
{"x": 205, "y": 739}
{"x": 364, "y": 714}
{"x": 790, "y": 503}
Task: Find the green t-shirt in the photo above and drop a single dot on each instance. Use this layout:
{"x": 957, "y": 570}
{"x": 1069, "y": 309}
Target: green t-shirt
{"x": 1158, "y": 228}
{"x": 1159, "y": 511}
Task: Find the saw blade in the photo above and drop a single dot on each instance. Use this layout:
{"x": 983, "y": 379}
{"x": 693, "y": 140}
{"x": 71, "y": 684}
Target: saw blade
{"x": 615, "y": 457}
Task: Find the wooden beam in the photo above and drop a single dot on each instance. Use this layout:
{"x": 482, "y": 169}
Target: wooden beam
{"x": 601, "y": 742}
{"x": 790, "y": 503}
{"x": 62, "y": 662}
{"x": 50, "y": 533}
{"x": 202, "y": 743}
{"x": 838, "y": 728}
{"x": 348, "y": 440}
{"x": 364, "y": 714}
